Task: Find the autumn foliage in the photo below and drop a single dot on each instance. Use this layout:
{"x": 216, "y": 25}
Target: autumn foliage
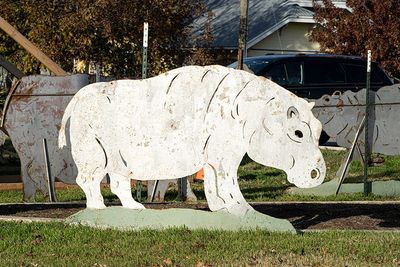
{"x": 368, "y": 24}
{"x": 109, "y": 32}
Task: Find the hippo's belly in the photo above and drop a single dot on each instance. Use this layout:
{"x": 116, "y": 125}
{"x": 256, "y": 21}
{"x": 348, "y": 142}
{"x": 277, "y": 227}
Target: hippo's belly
{"x": 153, "y": 142}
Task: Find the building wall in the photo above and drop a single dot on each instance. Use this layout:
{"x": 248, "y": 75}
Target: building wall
{"x": 292, "y": 38}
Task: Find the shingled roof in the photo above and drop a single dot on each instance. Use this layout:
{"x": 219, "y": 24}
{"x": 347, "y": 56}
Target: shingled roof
{"x": 264, "y": 18}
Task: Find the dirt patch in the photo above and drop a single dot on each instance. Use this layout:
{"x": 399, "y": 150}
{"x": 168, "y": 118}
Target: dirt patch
{"x": 353, "y": 216}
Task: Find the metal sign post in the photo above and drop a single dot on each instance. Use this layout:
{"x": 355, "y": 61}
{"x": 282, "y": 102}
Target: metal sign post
{"x": 366, "y": 140}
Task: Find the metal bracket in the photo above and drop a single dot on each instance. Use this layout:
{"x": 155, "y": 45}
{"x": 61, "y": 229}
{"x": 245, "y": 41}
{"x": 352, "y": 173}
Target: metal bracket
{"x": 349, "y": 157}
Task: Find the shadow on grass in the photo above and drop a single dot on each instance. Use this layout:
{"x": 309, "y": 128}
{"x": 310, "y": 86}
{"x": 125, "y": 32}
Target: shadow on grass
{"x": 387, "y": 175}
{"x": 337, "y": 216}
{"x": 263, "y": 192}
{"x": 248, "y": 177}
{"x": 51, "y": 210}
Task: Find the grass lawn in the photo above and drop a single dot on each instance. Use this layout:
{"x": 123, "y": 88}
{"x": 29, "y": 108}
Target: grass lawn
{"x": 259, "y": 183}
{"x": 55, "y": 244}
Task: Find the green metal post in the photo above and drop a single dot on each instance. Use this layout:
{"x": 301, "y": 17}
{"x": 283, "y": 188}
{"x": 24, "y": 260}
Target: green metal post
{"x": 144, "y": 76}
{"x": 366, "y": 140}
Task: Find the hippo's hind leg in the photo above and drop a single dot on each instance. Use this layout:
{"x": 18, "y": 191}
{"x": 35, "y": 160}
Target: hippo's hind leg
{"x": 121, "y": 186}
{"x": 91, "y": 162}
{"x": 90, "y": 185}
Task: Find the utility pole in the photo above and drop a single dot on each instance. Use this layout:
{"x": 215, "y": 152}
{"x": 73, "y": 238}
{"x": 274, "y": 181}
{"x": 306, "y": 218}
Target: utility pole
{"x": 244, "y": 8}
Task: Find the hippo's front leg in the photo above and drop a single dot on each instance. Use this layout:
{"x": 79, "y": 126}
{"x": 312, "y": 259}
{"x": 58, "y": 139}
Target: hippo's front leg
{"x": 222, "y": 189}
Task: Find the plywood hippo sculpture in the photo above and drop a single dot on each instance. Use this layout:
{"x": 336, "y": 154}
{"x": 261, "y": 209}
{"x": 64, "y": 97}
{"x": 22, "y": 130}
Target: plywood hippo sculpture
{"x": 190, "y": 118}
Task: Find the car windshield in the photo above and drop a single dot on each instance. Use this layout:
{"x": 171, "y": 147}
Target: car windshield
{"x": 255, "y": 65}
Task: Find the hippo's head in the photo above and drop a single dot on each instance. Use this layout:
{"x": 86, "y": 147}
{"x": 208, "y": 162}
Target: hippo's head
{"x": 283, "y": 133}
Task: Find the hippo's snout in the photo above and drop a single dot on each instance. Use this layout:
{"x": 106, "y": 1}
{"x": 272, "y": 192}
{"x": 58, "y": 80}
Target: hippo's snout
{"x": 308, "y": 176}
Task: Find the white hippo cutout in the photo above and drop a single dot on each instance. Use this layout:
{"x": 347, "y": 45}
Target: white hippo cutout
{"x": 187, "y": 119}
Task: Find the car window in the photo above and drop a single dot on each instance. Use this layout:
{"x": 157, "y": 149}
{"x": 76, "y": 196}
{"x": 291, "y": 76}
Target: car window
{"x": 290, "y": 73}
{"x": 358, "y": 74}
{"x": 295, "y": 73}
{"x": 355, "y": 74}
{"x": 277, "y": 74}
{"x": 323, "y": 72}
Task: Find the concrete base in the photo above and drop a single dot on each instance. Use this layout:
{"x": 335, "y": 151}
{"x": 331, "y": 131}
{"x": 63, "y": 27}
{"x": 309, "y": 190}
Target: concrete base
{"x": 379, "y": 188}
{"x": 126, "y": 219}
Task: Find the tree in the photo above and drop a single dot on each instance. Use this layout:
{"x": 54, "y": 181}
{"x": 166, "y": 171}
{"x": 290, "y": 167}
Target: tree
{"x": 108, "y": 32}
{"x": 371, "y": 24}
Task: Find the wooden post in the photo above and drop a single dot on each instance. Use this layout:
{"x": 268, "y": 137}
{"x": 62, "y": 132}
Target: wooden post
{"x": 244, "y": 4}
{"x": 145, "y": 47}
{"x": 31, "y": 48}
{"x": 98, "y": 72}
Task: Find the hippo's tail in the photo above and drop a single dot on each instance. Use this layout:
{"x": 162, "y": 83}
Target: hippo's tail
{"x": 62, "y": 141}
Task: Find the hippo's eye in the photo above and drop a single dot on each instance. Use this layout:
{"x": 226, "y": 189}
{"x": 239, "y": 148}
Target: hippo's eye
{"x": 292, "y": 112}
{"x": 298, "y": 133}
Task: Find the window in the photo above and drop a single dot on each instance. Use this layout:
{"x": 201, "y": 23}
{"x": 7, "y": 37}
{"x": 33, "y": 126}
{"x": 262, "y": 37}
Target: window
{"x": 358, "y": 74}
{"x": 290, "y": 73}
{"x": 295, "y": 73}
{"x": 323, "y": 72}
{"x": 355, "y": 73}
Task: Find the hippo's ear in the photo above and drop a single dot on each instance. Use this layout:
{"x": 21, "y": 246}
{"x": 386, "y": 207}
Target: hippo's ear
{"x": 292, "y": 112}
{"x": 311, "y": 105}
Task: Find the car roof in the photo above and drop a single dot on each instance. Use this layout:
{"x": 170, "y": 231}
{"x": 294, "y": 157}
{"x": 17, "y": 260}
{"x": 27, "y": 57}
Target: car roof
{"x": 258, "y": 62}
{"x": 275, "y": 57}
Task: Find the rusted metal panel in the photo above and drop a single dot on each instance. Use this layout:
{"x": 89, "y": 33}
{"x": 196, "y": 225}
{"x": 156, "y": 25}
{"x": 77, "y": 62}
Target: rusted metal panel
{"x": 190, "y": 118}
{"x": 34, "y": 112}
{"x": 341, "y": 115}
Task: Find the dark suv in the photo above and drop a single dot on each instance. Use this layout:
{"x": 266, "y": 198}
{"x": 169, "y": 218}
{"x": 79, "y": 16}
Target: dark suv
{"x": 314, "y": 75}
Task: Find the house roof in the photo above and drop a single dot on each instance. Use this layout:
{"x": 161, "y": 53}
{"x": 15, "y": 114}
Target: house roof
{"x": 264, "y": 18}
